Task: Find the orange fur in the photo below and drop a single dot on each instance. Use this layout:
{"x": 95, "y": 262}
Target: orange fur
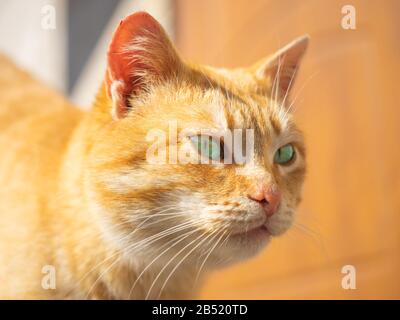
{"x": 77, "y": 187}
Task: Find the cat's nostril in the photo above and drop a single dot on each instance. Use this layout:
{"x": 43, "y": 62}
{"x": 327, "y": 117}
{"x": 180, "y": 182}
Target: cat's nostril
{"x": 263, "y": 202}
{"x": 260, "y": 200}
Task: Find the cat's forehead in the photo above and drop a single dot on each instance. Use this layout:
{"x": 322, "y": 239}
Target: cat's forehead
{"x": 241, "y": 77}
{"x": 244, "y": 104}
{"x": 233, "y": 108}
{"x": 223, "y": 99}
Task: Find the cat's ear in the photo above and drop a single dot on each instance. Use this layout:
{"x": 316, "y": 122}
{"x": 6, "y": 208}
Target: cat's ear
{"x": 139, "y": 54}
{"x": 278, "y": 71}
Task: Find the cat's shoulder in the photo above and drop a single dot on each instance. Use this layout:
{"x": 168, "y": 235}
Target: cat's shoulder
{"x": 22, "y": 96}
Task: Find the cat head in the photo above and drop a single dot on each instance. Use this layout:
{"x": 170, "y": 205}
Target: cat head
{"x": 154, "y": 105}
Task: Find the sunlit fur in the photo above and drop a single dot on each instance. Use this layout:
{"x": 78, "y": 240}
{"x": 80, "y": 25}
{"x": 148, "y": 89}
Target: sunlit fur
{"x": 77, "y": 192}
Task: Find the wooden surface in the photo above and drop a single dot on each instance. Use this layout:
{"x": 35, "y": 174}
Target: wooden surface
{"x": 348, "y": 105}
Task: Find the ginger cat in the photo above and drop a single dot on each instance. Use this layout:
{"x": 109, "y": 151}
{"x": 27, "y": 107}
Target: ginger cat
{"x": 79, "y": 197}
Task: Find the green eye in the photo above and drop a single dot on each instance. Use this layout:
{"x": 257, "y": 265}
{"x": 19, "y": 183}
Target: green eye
{"x": 284, "y": 154}
{"x": 208, "y": 147}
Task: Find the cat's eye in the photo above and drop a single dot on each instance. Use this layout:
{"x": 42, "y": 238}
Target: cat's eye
{"x": 208, "y": 147}
{"x": 284, "y": 155}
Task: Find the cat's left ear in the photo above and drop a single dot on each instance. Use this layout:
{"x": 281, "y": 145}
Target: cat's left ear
{"x": 140, "y": 54}
{"x": 278, "y": 71}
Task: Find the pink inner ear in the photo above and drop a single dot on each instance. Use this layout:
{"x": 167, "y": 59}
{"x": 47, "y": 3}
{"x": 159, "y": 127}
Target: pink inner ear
{"x": 122, "y": 63}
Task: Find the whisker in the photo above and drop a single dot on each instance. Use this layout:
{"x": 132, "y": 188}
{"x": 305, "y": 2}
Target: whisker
{"x": 176, "y": 241}
{"x": 301, "y": 89}
{"x": 157, "y": 236}
{"x": 167, "y": 264}
{"x": 287, "y": 92}
{"x": 138, "y": 244}
{"x": 181, "y": 261}
{"x": 316, "y": 236}
{"x": 208, "y": 255}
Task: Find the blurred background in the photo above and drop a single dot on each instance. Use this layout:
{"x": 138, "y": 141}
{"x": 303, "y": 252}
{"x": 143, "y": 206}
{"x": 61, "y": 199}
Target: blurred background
{"x": 347, "y": 103}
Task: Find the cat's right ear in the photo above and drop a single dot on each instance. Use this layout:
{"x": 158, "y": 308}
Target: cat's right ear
{"x": 139, "y": 54}
{"x": 278, "y": 71}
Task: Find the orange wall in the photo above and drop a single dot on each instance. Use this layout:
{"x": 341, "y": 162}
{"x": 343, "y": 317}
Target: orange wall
{"x": 346, "y": 104}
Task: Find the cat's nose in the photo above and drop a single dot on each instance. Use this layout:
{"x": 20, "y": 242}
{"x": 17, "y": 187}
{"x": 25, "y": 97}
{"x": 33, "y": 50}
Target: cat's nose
{"x": 268, "y": 196}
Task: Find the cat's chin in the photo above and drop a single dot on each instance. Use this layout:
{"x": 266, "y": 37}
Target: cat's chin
{"x": 243, "y": 245}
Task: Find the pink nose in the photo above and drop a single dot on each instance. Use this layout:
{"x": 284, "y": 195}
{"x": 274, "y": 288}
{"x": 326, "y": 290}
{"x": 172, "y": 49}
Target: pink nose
{"x": 268, "y": 196}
